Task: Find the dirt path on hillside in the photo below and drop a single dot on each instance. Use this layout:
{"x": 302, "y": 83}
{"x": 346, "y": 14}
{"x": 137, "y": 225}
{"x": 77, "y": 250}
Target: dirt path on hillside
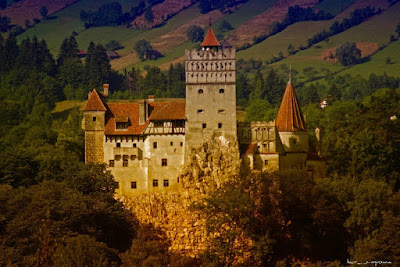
{"x": 260, "y": 24}
{"x": 29, "y": 9}
{"x": 162, "y": 12}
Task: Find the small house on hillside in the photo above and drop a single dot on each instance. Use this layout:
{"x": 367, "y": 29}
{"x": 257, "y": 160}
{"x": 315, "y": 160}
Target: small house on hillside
{"x": 81, "y": 53}
{"x": 112, "y": 55}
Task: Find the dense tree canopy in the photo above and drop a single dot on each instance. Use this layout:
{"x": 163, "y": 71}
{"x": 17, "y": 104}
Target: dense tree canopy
{"x": 195, "y": 34}
{"x": 348, "y": 54}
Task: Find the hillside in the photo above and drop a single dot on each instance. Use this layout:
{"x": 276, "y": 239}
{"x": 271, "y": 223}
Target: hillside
{"x": 250, "y": 19}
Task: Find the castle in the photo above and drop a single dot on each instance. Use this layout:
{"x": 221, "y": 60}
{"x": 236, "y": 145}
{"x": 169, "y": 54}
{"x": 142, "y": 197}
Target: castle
{"x": 146, "y": 143}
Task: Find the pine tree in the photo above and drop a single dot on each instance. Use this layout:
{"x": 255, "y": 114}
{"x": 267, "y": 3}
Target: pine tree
{"x": 68, "y": 49}
{"x": 11, "y": 52}
{"x": 98, "y": 68}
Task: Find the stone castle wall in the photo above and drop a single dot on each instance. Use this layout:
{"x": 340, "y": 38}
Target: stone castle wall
{"x": 94, "y": 151}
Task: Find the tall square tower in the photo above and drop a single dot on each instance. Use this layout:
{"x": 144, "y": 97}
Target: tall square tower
{"x": 210, "y": 92}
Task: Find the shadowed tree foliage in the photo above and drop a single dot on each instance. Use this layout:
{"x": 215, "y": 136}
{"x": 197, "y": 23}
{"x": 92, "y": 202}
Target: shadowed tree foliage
{"x": 348, "y": 54}
{"x": 195, "y": 34}
{"x": 143, "y": 49}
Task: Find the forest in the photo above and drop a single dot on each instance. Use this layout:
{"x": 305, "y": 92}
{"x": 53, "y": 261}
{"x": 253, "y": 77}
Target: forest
{"x": 55, "y": 210}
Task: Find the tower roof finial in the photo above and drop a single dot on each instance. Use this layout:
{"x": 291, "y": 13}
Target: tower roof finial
{"x": 210, "y": 40}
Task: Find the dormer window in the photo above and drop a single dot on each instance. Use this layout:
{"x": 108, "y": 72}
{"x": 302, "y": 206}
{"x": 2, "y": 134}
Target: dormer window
{"x": 121, "y": 123}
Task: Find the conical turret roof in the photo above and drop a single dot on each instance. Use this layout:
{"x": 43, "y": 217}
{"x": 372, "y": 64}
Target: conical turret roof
{"x": 94, "y": 103}
{"x": 210, "y": 39}
{"x": 289, "y": 117}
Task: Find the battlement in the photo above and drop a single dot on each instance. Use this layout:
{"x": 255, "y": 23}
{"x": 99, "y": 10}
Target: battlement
{"x": 208, "y": 66}
{"x": 221, "y": 54}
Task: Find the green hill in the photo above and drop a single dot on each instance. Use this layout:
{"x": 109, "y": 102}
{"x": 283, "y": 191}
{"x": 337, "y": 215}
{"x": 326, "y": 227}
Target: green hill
{"x": 374, "y": 32}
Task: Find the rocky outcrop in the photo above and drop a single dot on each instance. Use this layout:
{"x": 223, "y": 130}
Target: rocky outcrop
{"x": 212, "y": 165}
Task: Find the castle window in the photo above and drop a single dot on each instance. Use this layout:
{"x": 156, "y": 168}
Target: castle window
{"x": 111, "y": 163}
{"x": 154, "y": 145}
{"x": 181, "y": 143}
{"x": 125, "y": 161}
{"x": 201, "y": 111}
{"x": 204, "y": 125}
{"x": 134, "y": 145}
{"x": 163, "y": 162}
{"x": 116, "y": 184}
{"x": 166, "y": 183}
{"x": 133, "y": 185}
{"x": 219, "y": 125}
{"x": 155, "y": 183}
{"x": 94, "y": 118}
{"x": 118, "y": 144}
{"x": 265, "y": 162}
{"x": 201, "y": 91}
{"x": 133, "y": 157}
{"x": 171, "y": 144}
{"x": 221, "y": 111}
{"x": 221, "y": 91}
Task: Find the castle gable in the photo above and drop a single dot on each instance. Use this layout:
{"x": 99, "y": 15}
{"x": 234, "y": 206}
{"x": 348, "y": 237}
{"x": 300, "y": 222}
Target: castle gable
{"x": 94, "y": 103}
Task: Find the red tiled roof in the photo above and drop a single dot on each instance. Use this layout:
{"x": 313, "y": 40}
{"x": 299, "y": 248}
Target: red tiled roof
{"x": 118, "y": 110}
{"x": 168, "y": 111}
{"x": 289, "y": 117}
{"x": 174, "y": 110}
{"x": 250, "y": 148}
{"x": 210, "y": 39}
{"x": 94, "y": 103}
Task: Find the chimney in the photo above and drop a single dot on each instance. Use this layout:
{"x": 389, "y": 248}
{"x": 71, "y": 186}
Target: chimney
{"x": 106, "y": 86}
{"x": 143, "y": 110}
{"x": 151, "y": 98}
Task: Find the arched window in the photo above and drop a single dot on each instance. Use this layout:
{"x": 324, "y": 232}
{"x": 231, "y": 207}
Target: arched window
{"x": 201, "y": 91}
{"x": 221, "y": 91}
{"x": 200, "y": 111}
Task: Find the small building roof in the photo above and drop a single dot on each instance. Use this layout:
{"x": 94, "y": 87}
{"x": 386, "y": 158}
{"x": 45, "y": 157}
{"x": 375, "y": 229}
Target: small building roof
{"x": 210, "y": 39}
{"x": 289, "y": 117}
{"x": 94, "y": 103}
